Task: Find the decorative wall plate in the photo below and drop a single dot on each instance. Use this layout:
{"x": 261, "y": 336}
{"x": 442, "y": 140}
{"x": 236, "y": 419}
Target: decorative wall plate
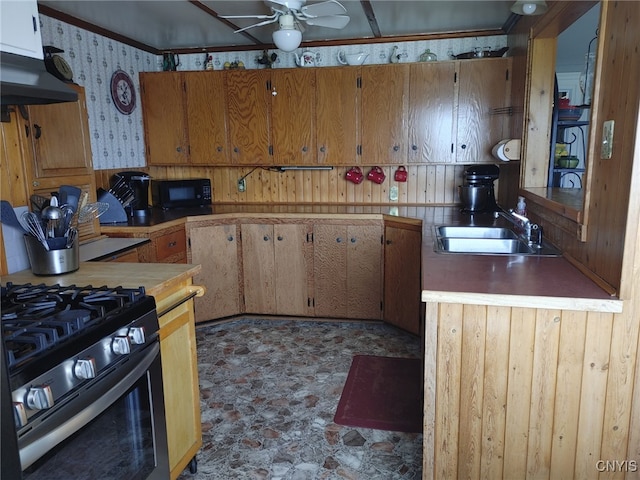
{"x": 123, "y": 92}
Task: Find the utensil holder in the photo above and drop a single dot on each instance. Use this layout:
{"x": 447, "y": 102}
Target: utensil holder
{"x": 52, "y": 262}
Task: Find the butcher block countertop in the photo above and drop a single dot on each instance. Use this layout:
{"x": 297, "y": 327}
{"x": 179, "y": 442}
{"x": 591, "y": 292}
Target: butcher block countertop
{"x": 154, "y": 277}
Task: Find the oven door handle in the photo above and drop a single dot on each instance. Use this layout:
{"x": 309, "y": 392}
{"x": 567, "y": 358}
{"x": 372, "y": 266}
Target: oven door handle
{"x": 102, "y": 395}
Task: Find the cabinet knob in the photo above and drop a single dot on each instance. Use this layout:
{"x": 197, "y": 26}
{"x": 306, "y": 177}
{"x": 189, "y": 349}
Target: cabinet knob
{"x": 236, "y": 149}
{"x": 179, "y": 149}
{"x": 323, "y": 149}
{"x": 414, "y": 147}
{"x": 219, "y": 149}
{"x": 265, "y": 238}
{"x": 388, "y": 242}
{"x": 463, "y": 146}
{"x": 396, "y": 148}
{"x": 353, "y": 239}
{"x": 274, "y": 92}
{"x": 230, "y": 238}
{"x": 172, "y": 244}
{"x": 38, "y": 130}
{"x": 339, "y": 240}
{"x": 279, "y": 238}
{"x": 304, "y": 149}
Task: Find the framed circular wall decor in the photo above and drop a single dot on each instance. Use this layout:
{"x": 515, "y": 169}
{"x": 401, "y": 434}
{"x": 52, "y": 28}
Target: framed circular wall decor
{"x": 123, "y": 92}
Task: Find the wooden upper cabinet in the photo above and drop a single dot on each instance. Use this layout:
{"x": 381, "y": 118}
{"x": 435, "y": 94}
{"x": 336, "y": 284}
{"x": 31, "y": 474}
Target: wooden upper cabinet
{"x": 385, "y": 98}
{"x": 248, "y": 104}
{"x": 484, "y": 92}
{"x": 163, "y": 113}
{"x": 293, "y": 116}
{"x": 431, "y": 112}
{"x": 59, "y": 137}
{"x": 206, "y": 118}
{"x": 337, "y": 115}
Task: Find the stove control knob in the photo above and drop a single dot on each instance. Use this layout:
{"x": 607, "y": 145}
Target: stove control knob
{"x": 121, "y": 345}
{"x": 39, "y": 398}
{"x": 136, "y": 335}
{"x": 19, "y": 414}
{"x": 85, "y": 368}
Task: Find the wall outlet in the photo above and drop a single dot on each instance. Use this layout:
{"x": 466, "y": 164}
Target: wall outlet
{"x": 606, "y": 149}
{"x": 242, "y": 185}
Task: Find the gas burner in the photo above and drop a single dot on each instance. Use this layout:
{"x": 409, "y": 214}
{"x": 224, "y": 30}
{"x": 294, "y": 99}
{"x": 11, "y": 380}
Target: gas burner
{"x": 37, "y": 318}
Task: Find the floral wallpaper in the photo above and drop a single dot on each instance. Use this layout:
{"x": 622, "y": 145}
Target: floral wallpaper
{"x": 117, "y": 140}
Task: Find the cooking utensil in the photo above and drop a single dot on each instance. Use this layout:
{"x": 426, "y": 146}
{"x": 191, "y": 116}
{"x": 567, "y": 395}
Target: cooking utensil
{"x": 52, "y": 214}
{"x": 38, "y": 202}
{"x": 91, "y": 211}
{"x": 72, "y": 234}
{"x": 69, "y": 195}
{"x": 8, "y": 215}
{"x": 35, "y": 228}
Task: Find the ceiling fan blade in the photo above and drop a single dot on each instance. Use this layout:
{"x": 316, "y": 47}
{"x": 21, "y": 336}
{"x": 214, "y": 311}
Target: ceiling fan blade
{"x": 333, "y": 21}
{"x": 266, "y": 22}
{"x": 323, "y": 9}
{"x": 275, "y": 15}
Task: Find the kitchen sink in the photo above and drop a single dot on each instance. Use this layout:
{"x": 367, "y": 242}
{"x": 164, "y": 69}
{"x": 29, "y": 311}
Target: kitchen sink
{"x": 487, "y": 241}
{"x": 475, "y": 232}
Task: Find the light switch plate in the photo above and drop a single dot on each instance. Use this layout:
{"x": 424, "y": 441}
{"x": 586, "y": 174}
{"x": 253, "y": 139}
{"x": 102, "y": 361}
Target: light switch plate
{"x": 607, "y": 140}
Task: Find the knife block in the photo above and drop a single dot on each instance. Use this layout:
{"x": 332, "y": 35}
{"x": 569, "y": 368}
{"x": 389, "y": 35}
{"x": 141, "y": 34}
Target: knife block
{"x": 116, "y": 212}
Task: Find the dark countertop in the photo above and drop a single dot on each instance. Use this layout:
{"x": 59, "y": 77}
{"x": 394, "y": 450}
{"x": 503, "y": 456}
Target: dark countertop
{"x": 446, "y": 276}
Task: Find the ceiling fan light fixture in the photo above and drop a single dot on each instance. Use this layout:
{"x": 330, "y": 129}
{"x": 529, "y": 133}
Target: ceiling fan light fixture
{"x": 529, "y": 7}
{"x": 287, "y": 38}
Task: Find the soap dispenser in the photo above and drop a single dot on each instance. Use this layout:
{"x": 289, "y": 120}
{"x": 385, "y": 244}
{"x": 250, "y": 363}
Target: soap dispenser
{"x": 521, "y": 208}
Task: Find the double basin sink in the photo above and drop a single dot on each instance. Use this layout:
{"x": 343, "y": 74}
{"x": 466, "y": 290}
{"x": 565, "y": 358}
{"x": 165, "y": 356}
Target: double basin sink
{"x": 487, "y": 241}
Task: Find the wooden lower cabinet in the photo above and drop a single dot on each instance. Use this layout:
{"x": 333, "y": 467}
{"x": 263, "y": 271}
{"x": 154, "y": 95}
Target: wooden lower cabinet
{"x": 275, "y": 268}
{"x": 180, "y": 374}
{"x": 167, "y": 245}
{"x": 347, "y": 278}
{"x": 215, "y": 247}
{"x": 402, "y": 276}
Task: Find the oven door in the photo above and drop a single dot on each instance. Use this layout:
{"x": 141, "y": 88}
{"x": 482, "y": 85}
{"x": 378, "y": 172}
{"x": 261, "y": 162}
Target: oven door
{"x": 115, "y": 429}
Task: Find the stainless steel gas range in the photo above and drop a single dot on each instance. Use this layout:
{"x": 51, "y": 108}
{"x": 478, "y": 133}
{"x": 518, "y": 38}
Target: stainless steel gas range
{"x": 85, "y": 382}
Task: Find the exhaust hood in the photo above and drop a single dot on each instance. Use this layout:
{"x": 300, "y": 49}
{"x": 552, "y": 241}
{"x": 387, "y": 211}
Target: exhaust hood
{"x": 26, "y": 81}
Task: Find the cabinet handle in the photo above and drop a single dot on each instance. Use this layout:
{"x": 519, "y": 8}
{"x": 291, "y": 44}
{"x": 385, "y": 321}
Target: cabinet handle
{"x": 230, "y": 238}
{"x": 266, "y": 238}
{"x": 279, "y": 238}
{"x": 339, "y": 239}
{"x": 353, "y": 239}
{"x": 38, "y": 130}
{"x": 396, "y": 148}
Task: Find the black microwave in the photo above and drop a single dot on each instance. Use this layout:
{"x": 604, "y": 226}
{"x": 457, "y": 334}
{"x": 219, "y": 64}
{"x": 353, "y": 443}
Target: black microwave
{"x": 192, "y": 192}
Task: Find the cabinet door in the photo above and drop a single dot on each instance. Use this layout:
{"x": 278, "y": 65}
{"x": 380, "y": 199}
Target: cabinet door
{"x": 206, "y": 118}
{"x": 181, "y": 389}
{"x": 248, "y": 99}
{"x": 484, "y": 89}
{"x": 258, "y": 267}
{"x": 291, "y": 269}
{"x": 385, "y": 97}
{"x": 431, "y": 112}
{"x": 216, "y": 249}
{"x": 293, "y": 116}
{"x": 402, "y": 267}
{"x": 163, "y": 113}
{"x": 347, "y": 277}
{"x": 60, "y": 138}
{"x": 337, "y": 115}
{"x": 364, "y": 272}
{"x": 330, "y": 270}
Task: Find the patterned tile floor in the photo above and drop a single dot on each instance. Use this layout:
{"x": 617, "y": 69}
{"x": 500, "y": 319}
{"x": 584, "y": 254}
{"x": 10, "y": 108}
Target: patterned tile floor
{"x": 269, "y": 391}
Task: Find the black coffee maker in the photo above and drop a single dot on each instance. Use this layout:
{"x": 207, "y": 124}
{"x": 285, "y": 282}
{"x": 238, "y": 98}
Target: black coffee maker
{"x": 477, "y": 194}
{"x": 137, "y": 183}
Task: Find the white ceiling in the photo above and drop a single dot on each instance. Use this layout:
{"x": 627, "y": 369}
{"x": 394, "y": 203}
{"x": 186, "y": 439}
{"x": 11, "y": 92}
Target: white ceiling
{"x": 173, "y": 25}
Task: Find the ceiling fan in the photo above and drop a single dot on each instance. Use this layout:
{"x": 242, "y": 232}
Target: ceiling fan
{"x": 292, "y": 15}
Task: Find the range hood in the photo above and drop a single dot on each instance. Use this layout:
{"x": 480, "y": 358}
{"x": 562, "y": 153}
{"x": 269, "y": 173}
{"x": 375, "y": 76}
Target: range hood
{"x": 26, "y": 81}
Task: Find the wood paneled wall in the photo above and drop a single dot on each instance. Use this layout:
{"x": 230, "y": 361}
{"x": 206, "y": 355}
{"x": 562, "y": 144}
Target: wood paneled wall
{"x": 529, "y": 393}
{"x": 426, "y": 184}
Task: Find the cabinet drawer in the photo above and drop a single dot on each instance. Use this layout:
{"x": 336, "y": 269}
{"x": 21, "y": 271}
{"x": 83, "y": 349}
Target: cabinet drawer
{"x": 128, "y": 256}
{"x": 171, "y": 244}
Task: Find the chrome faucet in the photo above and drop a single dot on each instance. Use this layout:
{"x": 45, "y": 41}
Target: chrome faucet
{"x": 529, "y": 229}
